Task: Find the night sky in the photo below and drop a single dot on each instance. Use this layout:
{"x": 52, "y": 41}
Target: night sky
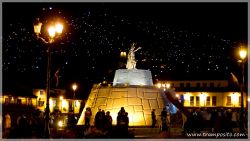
{"x": 179, "y": 41}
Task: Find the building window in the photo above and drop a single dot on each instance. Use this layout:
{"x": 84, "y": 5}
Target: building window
{"x": 172, "y": 85}
{"x": 197, "y": 101}
{"x": 198, "y": 85}
{"x": 239, "y": 101}
{"x": 213, "y": 100}
{"x": 7, "y": 100}
{"x": 204, "y": 85}
{"x": 181, "y": 85}
{"x": 229, "y": 101}
{"x": 208, "y": 101}
{"x": 29, "y": 101}
{"x": 191, "y": 100}
{"x": 19, "y": 101}
{"x": 188, "y": 85}
{"x": 211, "y": 85}
{"x": 218, "y": 85}
{"x": 41, "y": 92}
{"x": 40, "y": 103}
{"x": 186, "y": 100}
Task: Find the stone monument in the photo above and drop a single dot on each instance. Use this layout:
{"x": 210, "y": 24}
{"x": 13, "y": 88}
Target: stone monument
{"x": 132, "y": 89}
{"x": 131, "y": 75}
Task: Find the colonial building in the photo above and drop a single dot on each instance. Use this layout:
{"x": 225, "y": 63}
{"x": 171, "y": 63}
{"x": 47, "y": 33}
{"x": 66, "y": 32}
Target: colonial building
{"x": 204, "y": 93}
{"x": 58, "y": 100}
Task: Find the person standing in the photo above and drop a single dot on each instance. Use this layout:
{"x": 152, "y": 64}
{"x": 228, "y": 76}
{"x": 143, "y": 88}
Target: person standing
{"x": 108, "y": 121}
{"x": 164, "y": 119}
{"x": 7, "y": 123}
{"x": 153, "y": 116}
{"x": 98, "y": 119}
{"x": 88, "y": 115}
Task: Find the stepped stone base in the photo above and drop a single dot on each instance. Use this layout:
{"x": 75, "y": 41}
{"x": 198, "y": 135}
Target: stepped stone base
{"x": 138, "y": 101}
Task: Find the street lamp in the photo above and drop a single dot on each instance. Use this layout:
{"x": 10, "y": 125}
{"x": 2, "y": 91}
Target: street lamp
{"x": 74, "y": 87}
{"x": 53, "y": 30}
{"x": 243, "y": 55}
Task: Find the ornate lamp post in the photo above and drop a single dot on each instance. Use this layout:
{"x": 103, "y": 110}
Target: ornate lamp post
{"x": 243, "y": 55}
{"x": 52, "y": 30}
{"x": 74, "y": 87}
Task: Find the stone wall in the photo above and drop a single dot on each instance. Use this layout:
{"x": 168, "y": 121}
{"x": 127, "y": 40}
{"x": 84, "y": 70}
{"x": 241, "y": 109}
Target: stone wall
{"x": 137, "y": 101}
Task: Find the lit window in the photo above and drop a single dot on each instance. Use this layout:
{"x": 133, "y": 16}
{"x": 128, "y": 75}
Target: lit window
{"x": 213, "y": 100}
{"x": 229, "y": 101}
{"x": 208, "y": 101}
{"x": 191, "y": 100}
{"x": 197, "y": 101}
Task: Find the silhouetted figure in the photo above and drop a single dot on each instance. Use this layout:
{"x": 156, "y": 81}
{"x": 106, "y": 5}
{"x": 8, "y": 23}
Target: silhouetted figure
{"x": 88, "y": 115}
{"x": 71, "y": 121}
{"x": 108, "y": 123}
{"x": 121, "y": 111}
{"x": 23, "y": 127}
{"x": 126, "y": 122}
{"x": 153, "y": 116}
{"x": 164, "y": 119}
{"x": 99, "y": 119}
{"x": 122, "y": 123}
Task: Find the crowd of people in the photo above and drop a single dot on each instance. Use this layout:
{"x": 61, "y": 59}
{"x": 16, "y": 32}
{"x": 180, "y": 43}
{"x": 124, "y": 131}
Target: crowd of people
{"x": 32, "y": 125}
{"x": 214, "y": 120}
{"x": 24, "y": 125}
{"x": 103, "y": 123}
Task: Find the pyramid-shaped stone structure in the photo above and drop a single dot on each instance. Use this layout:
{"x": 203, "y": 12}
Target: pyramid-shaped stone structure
{"x": 138, "y": 99}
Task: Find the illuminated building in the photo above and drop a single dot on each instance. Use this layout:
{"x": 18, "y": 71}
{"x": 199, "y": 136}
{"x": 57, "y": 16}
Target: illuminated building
{"x": 205, "y": 93}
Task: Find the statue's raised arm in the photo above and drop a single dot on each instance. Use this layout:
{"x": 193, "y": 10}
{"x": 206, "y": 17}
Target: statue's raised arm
{"x": 137, "y": 49}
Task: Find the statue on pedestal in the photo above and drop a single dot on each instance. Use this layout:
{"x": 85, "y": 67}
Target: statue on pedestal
{"x": 131, "y": 62}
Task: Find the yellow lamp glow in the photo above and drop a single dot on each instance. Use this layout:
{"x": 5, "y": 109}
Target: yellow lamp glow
{"x": 187, "y": 96}
{"x": 52, "y": 31}
{"x": 123, "y": 54}
{"x": 77, "y": 103}
{"x": 243, "y": 54}
{"x": 60, "y": 123}
{"x": 50, "y": 102}
{"x": 168, "y": 85}
{"x": 235, "y": 99}
{"x": 164, "y": 85}
{"x": 37, "y": 28}
{"x": 159, "y": 85}
{"x": 64, "y": 103}
{"x": 203, "y": 97}
{"x": 74, "y": 87}
{"x": 61, "y": 97}
{"x": 59, "y": 28}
